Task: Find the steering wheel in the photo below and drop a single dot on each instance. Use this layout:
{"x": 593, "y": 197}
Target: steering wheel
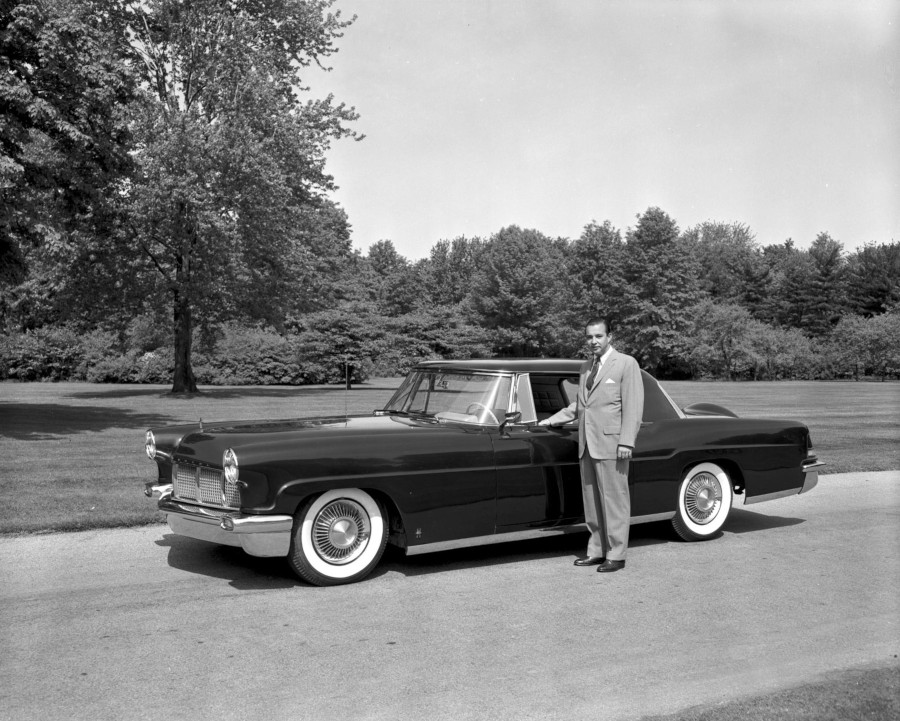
{"x": 484, "y": 414}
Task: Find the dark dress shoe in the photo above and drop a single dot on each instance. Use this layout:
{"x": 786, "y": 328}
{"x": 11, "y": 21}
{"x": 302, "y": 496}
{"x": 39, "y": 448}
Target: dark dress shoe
{"x": 610, "y": 566}
{"x": 589, "y": 561}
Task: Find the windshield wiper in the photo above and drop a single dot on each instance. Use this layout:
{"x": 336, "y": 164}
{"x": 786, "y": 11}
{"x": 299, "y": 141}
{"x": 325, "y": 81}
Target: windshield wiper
{"x": 418, "y": 415}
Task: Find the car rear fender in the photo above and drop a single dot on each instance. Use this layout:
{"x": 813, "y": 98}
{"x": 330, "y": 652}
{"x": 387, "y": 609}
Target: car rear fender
{"x": 729, "y": 466}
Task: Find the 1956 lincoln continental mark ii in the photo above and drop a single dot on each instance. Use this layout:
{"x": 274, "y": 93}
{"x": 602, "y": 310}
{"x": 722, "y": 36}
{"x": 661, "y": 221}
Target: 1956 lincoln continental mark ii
{"x": 456, "y": 457}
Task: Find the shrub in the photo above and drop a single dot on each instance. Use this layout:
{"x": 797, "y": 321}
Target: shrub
{"x": 250, "y": 356}
{"x": 50, "y": 354}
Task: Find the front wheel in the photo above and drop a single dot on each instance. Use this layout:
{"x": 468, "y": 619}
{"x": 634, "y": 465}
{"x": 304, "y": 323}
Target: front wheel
{"x": 704, "y": 501}
{"x": 338, "y": 537}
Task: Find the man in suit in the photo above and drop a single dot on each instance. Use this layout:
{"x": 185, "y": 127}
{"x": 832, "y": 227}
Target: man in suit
{"x": 608, "y": 408}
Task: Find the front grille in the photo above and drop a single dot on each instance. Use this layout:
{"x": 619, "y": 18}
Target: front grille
{"x": 203, "y": 485}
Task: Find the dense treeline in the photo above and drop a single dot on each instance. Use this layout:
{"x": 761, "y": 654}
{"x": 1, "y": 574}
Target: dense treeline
{"x": 705, "y": 302}
{"x": 165, "y": 215}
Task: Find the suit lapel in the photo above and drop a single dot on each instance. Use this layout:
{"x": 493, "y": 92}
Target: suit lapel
{"x": 604, "y": 373}
{"x": 607, "y": 369}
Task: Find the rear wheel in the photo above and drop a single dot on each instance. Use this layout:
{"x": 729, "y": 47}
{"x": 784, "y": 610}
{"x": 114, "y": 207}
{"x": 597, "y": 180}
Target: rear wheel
{"x": 704, "y": 501}
{"x": 338, "y": 537}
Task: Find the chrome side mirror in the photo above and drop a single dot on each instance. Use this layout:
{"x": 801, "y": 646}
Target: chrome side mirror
{"x": 510, "y": 418}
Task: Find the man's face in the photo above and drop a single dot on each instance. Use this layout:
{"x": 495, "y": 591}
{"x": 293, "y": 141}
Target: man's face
{"x": 598, "y": 339}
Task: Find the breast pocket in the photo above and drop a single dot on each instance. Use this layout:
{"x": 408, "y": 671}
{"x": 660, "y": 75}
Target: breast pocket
{"x": 610, "y": 392}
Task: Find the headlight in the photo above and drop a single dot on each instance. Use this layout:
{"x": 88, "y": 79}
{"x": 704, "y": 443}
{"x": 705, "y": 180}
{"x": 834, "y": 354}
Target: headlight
{"x": 150, "y": 446}
{"x": 230, "y": 465}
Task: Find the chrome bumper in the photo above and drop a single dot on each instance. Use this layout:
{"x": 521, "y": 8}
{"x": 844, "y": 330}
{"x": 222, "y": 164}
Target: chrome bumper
{"x": 265, "y": 536}
{"x": 810, "y": 479}
{"x": 811, "y": 475}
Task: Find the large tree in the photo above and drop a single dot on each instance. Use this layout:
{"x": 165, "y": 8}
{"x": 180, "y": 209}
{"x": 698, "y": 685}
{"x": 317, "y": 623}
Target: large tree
{"x": 874, "y": 278}
{"x": 65, "y": 88}
{"x": 789, "y": 303}
{"x": 663, "y": 274}
{"x": 718, "y": 340}
{"x": 827, "y": 285}
{"x": 395, "y": 285}
{"x": 450, "y": 267}
{"x": 515, "y": 293}
{"x": 228, "y": 207}
{"x": 596, "y": 277}
{"x": 732, "y": 268}
{"x": 868, "y": 345}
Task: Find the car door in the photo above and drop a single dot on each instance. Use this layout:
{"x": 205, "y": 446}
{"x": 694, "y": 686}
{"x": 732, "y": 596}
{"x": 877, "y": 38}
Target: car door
{"x": 538, "y": 477}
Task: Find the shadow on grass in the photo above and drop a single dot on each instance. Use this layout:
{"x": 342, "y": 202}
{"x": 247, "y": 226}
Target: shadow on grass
{"x": 44, "y": 421}
{"x": 231, "y": 392}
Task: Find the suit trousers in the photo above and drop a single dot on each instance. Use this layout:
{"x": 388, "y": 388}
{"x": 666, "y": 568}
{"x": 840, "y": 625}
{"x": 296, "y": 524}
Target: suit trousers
{"x": 607, "y": 506}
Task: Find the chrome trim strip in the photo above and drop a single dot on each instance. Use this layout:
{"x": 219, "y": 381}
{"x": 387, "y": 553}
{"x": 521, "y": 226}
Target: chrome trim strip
{"x": 493, "y": 538}
{"x": 259, "y": 524}
{"x": 512, "y": 536}
{"x": 196, "y": 513}
{"x": 681, "y": 413}
{"x": 811, "y": 477}
{"x": 652, "y": 518}
{"x": 771, "y": 496}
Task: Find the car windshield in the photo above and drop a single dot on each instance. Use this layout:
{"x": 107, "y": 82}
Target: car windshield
{"x": 462, "y": 397}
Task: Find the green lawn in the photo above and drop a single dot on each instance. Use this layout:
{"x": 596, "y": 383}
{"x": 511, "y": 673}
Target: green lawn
{"x": 71, "y": 454}
{"x": 860, "y": 694}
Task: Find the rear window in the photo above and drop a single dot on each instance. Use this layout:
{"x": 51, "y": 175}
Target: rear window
{"x": 657, "y": 406}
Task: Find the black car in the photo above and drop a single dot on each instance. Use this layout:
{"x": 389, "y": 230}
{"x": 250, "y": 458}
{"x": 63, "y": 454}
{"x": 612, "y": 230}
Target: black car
{"x": 456, "y": 457}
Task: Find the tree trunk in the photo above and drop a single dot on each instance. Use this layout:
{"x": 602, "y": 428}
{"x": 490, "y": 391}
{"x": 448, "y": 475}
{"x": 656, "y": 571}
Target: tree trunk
{"x": 183, "y": 380}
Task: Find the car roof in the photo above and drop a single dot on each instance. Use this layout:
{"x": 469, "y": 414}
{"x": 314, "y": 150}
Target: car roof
{"x": 562, "y": 366}
{"x": 549, "y": 366}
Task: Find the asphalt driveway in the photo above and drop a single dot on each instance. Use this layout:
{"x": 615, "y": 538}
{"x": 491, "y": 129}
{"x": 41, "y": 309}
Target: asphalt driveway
{"x": 139, "y": 623}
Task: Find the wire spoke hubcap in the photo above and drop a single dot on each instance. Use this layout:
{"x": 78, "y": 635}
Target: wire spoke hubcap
{"x": 703, "y": 498}
{"x": 341, "y": 531}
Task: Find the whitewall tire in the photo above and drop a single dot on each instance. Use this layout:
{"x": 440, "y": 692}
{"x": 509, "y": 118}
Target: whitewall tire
{"x": 338, "y": 537}
{"x": 704, "y": 501}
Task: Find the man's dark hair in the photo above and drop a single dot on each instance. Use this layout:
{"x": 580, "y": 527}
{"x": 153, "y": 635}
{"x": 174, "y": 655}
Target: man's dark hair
{"x": 605, "y": 322}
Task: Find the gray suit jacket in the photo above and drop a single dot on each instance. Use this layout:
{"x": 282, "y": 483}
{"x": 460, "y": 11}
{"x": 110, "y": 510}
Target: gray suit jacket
{"x": 609, "y": 414}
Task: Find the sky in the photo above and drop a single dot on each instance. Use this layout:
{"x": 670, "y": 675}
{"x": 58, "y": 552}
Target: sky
{"x": 783, "y": 116}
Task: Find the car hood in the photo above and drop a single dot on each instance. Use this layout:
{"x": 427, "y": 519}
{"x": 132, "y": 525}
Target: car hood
{"x": 270, "y": 441}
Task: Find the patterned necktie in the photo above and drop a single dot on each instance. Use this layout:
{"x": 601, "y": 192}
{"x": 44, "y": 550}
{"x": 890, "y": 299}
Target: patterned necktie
{"x": 593, "y": 375}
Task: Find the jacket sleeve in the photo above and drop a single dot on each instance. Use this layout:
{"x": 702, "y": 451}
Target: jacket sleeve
{"x": 632, "y": 403}
{"x": 567, "y": 414}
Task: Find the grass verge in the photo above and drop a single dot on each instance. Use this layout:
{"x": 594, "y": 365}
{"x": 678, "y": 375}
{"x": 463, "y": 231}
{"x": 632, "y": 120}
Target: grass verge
{"x": 861, "y": 694}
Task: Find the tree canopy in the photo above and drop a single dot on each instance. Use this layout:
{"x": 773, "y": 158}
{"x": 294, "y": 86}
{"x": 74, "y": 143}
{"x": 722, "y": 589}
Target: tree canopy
{"x": 228, "y": 204}
{"x": 165, "y": 206}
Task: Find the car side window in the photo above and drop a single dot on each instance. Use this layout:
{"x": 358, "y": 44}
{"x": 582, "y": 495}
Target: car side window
{"x": 552, "y": 394}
